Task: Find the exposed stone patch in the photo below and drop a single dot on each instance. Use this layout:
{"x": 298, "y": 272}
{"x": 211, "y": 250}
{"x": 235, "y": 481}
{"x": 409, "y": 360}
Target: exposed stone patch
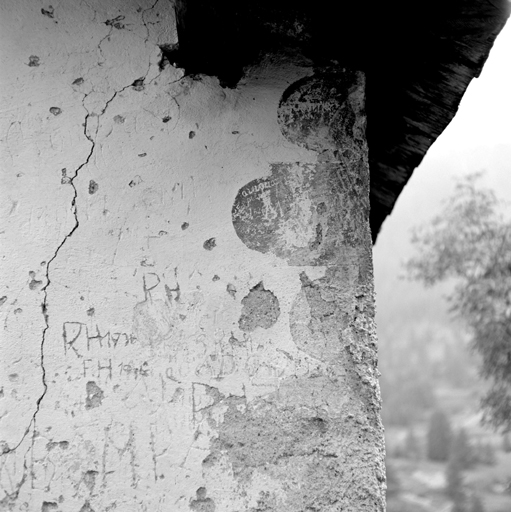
{"x": 260, "y": 309}
{"x": 312, "y": 432}
{"x": 94, "y": 396}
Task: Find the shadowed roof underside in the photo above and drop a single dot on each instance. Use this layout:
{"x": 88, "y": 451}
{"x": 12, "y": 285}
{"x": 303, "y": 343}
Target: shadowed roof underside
{"x": 419, "y": 58}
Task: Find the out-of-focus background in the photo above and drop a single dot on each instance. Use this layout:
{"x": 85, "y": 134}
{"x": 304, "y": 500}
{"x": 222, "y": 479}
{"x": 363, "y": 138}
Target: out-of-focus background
{"x": 430, "y": 383}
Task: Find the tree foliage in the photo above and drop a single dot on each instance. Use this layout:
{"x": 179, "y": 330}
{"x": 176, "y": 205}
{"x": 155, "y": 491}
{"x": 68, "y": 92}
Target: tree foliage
{"x": 470, "y": 241}
{"x": 439, "y": 437}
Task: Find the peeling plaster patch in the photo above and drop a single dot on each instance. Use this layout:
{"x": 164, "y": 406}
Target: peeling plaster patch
{"x": 56, "y": 111}
{"x": 137, "y": 180}
{"x": 90, "y": 312}
{"x": 86, "y": 507}
{"x": 116, "y": 22}
{"x": 64, "y": 445}
{"x": 34, "y": 61}
{"x": 65, "y": 179}
{"x": 166, "y": 119}
{"x": 209, "y": 244}
{"x": 93, "y": 187}
{"x": 119, "y": 119}
{"x": 260, "y": 309}
{"x": 202, "y": 503}
{"x": 94, "y": 396}
{"x": 89, "y": 479}
{"x": 34, "y": 284}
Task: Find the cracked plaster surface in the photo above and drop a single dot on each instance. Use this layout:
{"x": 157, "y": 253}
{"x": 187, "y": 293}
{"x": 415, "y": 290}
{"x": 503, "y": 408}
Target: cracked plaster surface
{"x": 124, "y": 352}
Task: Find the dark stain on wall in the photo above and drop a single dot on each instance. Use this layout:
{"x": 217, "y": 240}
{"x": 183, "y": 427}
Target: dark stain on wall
{"x": 260, "y": 309}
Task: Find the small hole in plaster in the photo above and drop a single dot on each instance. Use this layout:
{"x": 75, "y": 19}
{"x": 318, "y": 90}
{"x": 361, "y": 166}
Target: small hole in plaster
{"x": 56, "y": 111}
{"x": 34, "y": 61}
{"x": 138, "y": 84}
{"x": 166, "y": 119}
{"x": 209, "y": 244}
{"x": 191, "y": 135}
{"x": 47, "y": 12}
{"x": 78, "y": 81}
{"x": 184, "y": 225}
{"x": 93, "y": 187}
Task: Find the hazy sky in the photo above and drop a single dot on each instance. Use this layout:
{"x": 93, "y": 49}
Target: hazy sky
{"x": 479, "y": 138}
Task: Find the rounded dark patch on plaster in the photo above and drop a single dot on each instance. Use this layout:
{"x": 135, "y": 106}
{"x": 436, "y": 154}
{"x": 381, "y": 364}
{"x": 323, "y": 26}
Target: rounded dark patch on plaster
{"x": 56, "y": 111}
{"x": 191, "y": 135}
{"x": 260, "y": 309}
{"x": 257, "y": 213}
{"x": 119, "y": 119}
{"x": 94, "y": 395}
{"x": 166, "y": 119}
{"x": 78, "y": 81}
{"x": 209, "y": 244}
{"x": 93, "y": 187}
{"x": 185, "y": 225}
{"x": 316, "y": 112}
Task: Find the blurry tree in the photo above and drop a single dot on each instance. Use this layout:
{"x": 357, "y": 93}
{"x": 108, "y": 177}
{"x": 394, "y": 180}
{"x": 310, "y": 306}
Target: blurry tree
{"x": 506, "y": 443}
{"x": 454, "y": 482}
{"x": 471, "y": 242}
{"x": 406, "y": 396}
{"x": 486, "y": 454}
{"x": 462, "y": 450}
{"x": 393, "y": 483}
{"x": 412, "y": 446}
{"x": 439, "y": 437}
{"x": 476, "y": 504}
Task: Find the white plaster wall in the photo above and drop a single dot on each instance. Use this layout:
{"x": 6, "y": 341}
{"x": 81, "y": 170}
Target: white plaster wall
{"x": 120, "y": 330}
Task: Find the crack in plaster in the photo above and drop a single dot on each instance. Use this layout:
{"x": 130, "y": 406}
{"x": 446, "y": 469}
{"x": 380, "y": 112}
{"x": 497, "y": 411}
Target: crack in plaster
{"x": 44, "y": 289}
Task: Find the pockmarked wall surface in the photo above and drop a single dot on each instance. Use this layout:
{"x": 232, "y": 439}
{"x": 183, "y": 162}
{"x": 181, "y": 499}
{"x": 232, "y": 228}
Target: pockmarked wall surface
{"x": 186, "y": 293}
